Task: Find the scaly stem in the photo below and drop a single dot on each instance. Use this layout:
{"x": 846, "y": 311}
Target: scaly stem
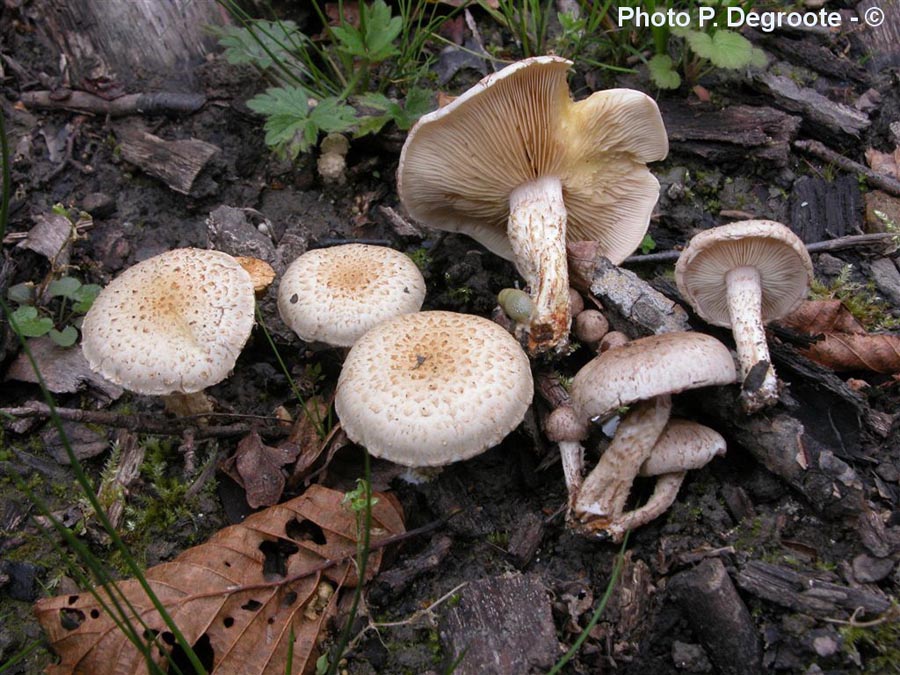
{"x": 537, "y": 233}
{"x": 603, "y": 495}
{"x": 664, "y": 493}
{"x": 745, "y": 308}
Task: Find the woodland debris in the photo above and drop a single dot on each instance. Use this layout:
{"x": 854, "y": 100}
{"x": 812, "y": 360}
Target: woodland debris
{"x": 634, "y": 307}
{"x": 51, "y": 236}
{"x": 883, "y": 182}
{"x": 718, "y": 617}
{"x": 398, "y": 578}
{"x": 176, "y": 163}
{"x": 240, "y": 232}
{"x": 880, "y": 43}
{"x": 731, "y": 133}
{"x": 113, "y": 493}
{"x": 246, "y": 603}
{"x": 824, "y": 209}
{"x": 64, "y": 369}
{"x": 828, "y": 117}
{"x": 807, "y": 593}
{"x": 501, "y": 626}
{"x": 258, "y": 469}
{"x": 155, "y": 103}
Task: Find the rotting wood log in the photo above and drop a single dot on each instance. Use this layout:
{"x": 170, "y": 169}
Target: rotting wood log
{"x": 631, "y": 305}
{"x": 809, "y": 52}
{"x": 176, "y": 163}
{"x": 718, "y": 617}
{"x": 731, "y": 134}
{"x": 820, "y": 209}
{"x": 887, "y": 183}
{"x": 806, "y": 593}
{"x": 111, "y": 48}
{"x": 881, "y": 44}
{"x": 823, "y": 116}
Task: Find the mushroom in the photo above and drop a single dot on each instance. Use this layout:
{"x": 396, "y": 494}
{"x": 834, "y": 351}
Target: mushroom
{"x": 432, "y": 388}
{"x": 519, "y": 166}
{"x": 741, "y": 276}
{"x": 334, "y": 295}
{"x": 682, "y": 447}
{"x": 642, "y": 374}
{"x": 171, "y": 326}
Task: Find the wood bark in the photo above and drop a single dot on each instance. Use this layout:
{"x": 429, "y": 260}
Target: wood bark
{"x": 110, "y": 47}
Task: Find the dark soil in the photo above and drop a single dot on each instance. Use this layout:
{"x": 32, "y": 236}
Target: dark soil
{"x": 837, "y": 523}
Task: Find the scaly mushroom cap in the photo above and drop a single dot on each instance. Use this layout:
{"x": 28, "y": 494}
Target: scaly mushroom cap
{"x": 334, "y": 295}
{"x": 174, "y": 323}
{"x": 683, "y": 446}
{"x": 784, "y": 266}
{"x": 648, "y": 367}
{"x": 432, "y": 388}
{"x": 461, "y": 162}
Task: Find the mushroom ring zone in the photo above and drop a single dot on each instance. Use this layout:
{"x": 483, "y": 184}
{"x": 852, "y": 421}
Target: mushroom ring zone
{"x": 433, "y": 388}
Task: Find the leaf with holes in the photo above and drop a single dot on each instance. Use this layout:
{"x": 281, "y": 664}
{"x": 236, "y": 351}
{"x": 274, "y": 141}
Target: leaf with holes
{"x": 239, "y": 599}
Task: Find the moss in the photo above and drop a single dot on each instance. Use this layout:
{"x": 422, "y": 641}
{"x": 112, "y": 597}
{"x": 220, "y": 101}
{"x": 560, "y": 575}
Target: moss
{"x": 875, "y": 645}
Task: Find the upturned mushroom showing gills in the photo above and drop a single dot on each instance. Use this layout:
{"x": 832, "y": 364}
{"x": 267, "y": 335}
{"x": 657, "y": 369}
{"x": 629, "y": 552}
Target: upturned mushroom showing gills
{"x": 519, "y": 166}
{"x": 171, "y": 326}
{"x": 642, "y": 374}
{"x": 334, "y": 295}
{"x": 433, "y": 388}
{"x": 742, "y": 276}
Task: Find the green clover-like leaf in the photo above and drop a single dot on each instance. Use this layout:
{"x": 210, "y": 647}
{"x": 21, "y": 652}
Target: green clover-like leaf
{"x": 662, "y": 72}
{"x": 65, "y": 337}
{"x": 27, "y": 323}
{"x": 64, "y": 287}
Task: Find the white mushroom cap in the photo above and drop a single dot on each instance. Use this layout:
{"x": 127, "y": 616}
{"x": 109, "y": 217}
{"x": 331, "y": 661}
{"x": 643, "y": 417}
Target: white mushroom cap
{"x": 461, "y": 162}
{"x": 432, "y": 388}
{"x": 648, "y": 367}
{"x": 334, "y": 295}
{"x": 784, "y": 267}
{"x": 174, "y": 323}
{"x": 683, "y": 446}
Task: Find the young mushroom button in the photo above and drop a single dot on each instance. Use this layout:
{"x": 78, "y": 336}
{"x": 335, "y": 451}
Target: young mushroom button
{"x": 171, "y": 325}
{"x": 518, "y": 165}
{"x": 433, "y": 388}
{"x": 741, "y": 276}
{"x": 334, "y": 295}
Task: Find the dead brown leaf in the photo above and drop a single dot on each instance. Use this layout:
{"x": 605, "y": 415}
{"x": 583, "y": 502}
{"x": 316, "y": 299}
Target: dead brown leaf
{"x": 822, "y": 316}
{"x": 243, "y": 594}
{"x": 849, "y": 351}
{"x": 841, "y": 342}
{"x": 884, "y": 162}
{"x": 259, "y": 468}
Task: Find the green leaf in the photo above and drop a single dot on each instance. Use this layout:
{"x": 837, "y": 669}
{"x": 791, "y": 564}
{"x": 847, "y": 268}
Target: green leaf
{"x": 758, "y": 58}
{"x": 381, "y": 31}
{"x": 25, "y": 320}
{"x": 647, "y": 244}
{"x": 21, "y": 294}
{"x": 287, "y": 117}
{"x": 662, "y": 72}
{"x": 725, "y": 49}
{"x": 350, "y": 40}
{"x": 261, "y": 44}
{"x": 84, "y": 298}
{"x": 293, "y": 101}
{"x": 65, "y": 287}
{"x": 370, "y": 124}
{"x": 64, "y": 338}
{"x": 330, "y": 115}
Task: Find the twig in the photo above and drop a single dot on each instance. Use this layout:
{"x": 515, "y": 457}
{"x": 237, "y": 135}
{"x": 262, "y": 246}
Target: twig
{"x": 879, "y": 180}
{"x": 130, "y": 104}
{"x": 890, "y": 615}
{"x": 850, "y": 241}
{"x": 418, "y": 613}
{"x": 150, "y": 424}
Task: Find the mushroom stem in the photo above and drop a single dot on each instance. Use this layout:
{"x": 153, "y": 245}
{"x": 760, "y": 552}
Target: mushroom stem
{"x": 604, "y": 492}
{"x": 184, "y": 405}
{"x": 745, "y": 309}
{"x": 572, "y": 455}
{"x": 664, "y": 493}
{"x": 537, "y": 234}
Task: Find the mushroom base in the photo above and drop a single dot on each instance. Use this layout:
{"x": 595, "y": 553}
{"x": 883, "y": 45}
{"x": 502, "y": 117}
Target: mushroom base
{"x": 760, "y": 385}
{"x": 185, "y": 405}
{"x": 537, "y": 234}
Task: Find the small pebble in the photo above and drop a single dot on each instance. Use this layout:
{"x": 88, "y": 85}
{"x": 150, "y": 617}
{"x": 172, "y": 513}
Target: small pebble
{"x": 867, "y": 569}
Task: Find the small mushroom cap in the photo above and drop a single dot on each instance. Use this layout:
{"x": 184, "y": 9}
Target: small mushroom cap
{"x": 174, "y": 323}
{"x": 460, "y": 163}
{"x": 784, "y": 266}
{"x": 334, "y": 295}
{"x": 432, "y": 388}
{"x": 683, "y": 446}
{"x": 648, "y": 367}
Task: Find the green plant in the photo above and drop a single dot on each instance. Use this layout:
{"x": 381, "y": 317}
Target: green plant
{"x": 56, "y": 313}
{"x": 874, "y": 645}
{"x": 325, "y": 84}
{"x": 860, "y": 299}
{"x": 648, "y": 244}
{"x": 696, "y": 50}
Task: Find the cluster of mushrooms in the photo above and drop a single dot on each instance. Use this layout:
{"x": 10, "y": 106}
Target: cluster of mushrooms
{"x": 522, "y": 168}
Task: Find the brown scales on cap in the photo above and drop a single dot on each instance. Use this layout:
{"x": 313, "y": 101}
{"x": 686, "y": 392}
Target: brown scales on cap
{"x": 334, "y": 295}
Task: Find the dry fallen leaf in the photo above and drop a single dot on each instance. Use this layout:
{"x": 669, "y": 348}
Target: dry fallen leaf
{"x": 884, "y": 162}
{"x": 64, "y": 369}
{"x": 259, "y": 468}
{"x": 238, "y": 598}
{"x": 840, "y": 341}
